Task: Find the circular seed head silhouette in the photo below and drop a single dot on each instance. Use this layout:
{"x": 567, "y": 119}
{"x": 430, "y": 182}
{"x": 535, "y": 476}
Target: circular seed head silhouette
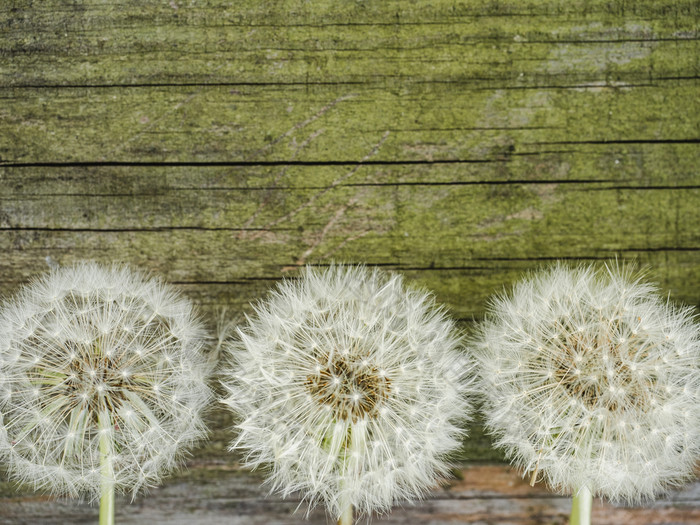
{"x": 99, "y": 364}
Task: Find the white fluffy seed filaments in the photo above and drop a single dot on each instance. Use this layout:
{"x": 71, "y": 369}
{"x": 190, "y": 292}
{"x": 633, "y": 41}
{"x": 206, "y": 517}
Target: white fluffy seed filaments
{"x": 350, "y": 387}
{"x": 91, "y": 352}
{"x": 592, "y": 381}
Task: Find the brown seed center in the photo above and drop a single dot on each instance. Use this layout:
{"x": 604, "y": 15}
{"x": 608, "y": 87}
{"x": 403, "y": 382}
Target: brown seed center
{"x": 350, "y": 385}
{"x": 598, "y": 373}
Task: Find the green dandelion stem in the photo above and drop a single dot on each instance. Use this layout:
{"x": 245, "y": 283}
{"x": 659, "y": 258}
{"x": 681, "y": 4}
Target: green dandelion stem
{"x": 346, "y": 516}
{"x": 107, "y": 472}
{"x": 581, "y": 507}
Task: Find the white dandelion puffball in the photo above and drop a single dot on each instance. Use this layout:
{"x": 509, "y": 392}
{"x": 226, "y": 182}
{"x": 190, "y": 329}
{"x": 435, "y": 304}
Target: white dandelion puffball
{"x": 593, "y": 381}
{"x": 99, "y": 362}
{"x": 350, "y": 387}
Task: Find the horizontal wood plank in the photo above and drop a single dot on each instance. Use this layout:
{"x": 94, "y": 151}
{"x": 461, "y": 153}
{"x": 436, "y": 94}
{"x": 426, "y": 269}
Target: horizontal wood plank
{"x": 217, "y": 494}
{"x": 220, "y": 233}
{"x": 331, "y": 124}
{"x": 513, "y": 44}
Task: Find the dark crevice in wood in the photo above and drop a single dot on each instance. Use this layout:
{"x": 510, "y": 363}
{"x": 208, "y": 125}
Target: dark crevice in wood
{"x": 411, "y": 183}
{"x": 486, "y": 183}
{"x": 404, "y": 268}
{"x": 492, "y": 128}
{"x": 604, "y": 41}
{"x": 644, "y": 188}
{"x": 548, "y": 258}
{"x": 146, "y": 229}
{"x": 55, "y": 51}
{"x": 376, "y": 80}
{"x": 81, "y": 164}
{"x": 26, "y": 196}
{"x": 574, "y": 258}
{"x": 513, "y": 182}
{"x": 622, "y": 141}
{"x": 587, "y": 185}
{"x": 661, "y": 249}
{"x": 273, "y": 163}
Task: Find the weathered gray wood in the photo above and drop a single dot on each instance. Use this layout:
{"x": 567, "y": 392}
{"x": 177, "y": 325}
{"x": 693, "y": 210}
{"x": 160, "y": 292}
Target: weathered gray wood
{"x": 215, "y": 495}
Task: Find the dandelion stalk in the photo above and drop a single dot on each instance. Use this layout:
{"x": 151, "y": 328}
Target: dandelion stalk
{"x": 581, "y": 507}
{"x": 107, "y": 471}
{"x": 346, "y": 517}
{"x": 346, "y": 510}
{"x": 351, "y": 387}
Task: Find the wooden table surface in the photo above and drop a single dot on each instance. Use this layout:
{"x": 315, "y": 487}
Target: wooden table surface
{"x": 223, "y": 144}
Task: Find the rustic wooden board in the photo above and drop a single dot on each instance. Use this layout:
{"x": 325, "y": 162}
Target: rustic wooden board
{"x": 226, "y": 236}
{"x": 479, "y": 43}
{"x": 224, "y": 144}
{"x": 481, "y": 494}
{"x": 319, "y": 123}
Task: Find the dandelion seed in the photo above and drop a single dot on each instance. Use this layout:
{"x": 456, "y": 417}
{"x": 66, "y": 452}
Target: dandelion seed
{"x": 334, "y": 370}
{"x": 583, "y": 349}
{"x": 75, "y": 423}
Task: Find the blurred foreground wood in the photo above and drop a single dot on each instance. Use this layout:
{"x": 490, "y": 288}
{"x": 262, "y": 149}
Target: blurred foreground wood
{"x": 219, "y": 495}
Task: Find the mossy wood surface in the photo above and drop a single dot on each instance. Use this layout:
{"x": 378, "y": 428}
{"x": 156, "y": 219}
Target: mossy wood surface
{"x": 223, "y": 144}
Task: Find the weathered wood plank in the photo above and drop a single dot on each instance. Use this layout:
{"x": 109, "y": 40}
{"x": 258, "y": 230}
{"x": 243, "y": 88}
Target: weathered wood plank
{"x": 619, "y": 164}
{"x": 225, "y": 495}
{"x": 514, "y": 44}
{"x": 221, "y": 231}
{"x": 478, "y": 211}
{"x": 192, "y": 262}
{"x": 425, "y": 122}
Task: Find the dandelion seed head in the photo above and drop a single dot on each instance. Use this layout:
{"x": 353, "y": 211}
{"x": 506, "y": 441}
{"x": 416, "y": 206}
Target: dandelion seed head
{"x": 350, "y": 386}
{"x": 611, "y": 388}
{"x": 79, "y": 370}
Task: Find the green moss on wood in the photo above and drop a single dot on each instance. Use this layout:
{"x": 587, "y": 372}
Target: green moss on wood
{"x": 489, "y": 44}
{"x": 426, "y": 122}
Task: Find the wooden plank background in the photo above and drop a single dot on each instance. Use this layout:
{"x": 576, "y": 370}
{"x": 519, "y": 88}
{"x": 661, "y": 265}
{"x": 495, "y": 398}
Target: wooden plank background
{"x": 222, "y": 144}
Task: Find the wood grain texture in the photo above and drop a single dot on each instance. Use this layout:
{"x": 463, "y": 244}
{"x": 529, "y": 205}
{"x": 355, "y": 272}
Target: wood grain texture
{"x": 223, "y": 144}
{"x": 225, "y": 495}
